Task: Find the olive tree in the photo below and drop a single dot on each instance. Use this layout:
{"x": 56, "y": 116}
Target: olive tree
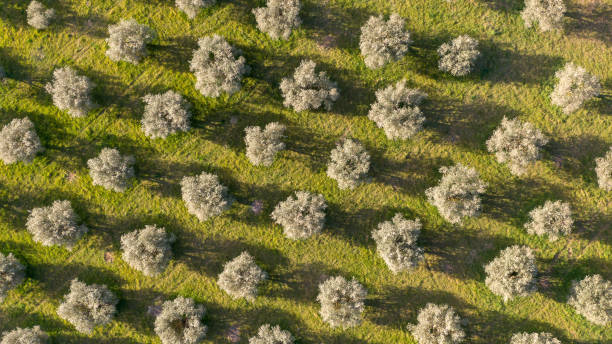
{"x": 349, "y": 164}
{"x": 128, "y": 41}
{"x": 241, "y": 276}
{"x": 268, "y": 334}
{"x": 32, "y": 335}
{"x": 165, "y": 114}
{"x": 262, "y": 145}
{"x": 397, "y": 111}
{"x": 148, "y": 250}
{"x": 534, "y": 338}
{"x": 383, "y": 41}
{"x": 204, "y": 196}
{"x": 87, "y": 306}
{"x": 548, "y": 14}
{"x": 12, "y": 274}
{"x": 180, "y": 322}
{"x": 278, "y": 18}
{"x": 458, "y": 57}
{"x": 553, "y": 219}
{"x": 71, "y": 92}
{"x": 592, "y": 298}
{"x": 575, "y": 86}
{"x": 111, "y": 170}
{"x": 39, "y": 16}
{"x": 192, "y": 7}
{"x": 342, "y": 301}
{"x": 603, "y": 170}
{"x": 512, "y": 273}
{"x": 19, "y": 141}
{"x": 57, "y": 224}
{"x": 396, "y": 242}
{"x": 301, "y": 216}
{"x": 307, "y": 89}
{"x": 437, "y": 324}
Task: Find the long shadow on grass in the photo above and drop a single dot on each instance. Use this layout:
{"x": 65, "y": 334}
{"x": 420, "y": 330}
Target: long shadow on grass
{"x": 91, "y": 24}
{"x": 505, "y": 5}
{"x": 591, "y": 20}
{"x": 603, "y": 102}
{"x": 576, "y": 155}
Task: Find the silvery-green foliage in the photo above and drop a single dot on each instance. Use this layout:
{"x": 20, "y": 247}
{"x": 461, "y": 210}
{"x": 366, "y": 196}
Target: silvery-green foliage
{"x": 383, "y": 41}
{"x": 553, "y": 219}
{"x": 603, "y": 170}
{"x": 268, "y": 334}
{"x": 12, "y": 274}
{"x": 164, "y": 114}
{"x": 278, "y": 18}
{"x": 192, "y": 7}
{"x": 307, "y": 89}
{"x": 592, "y": 298}
{"x": 396, "y": 243}
{"x": 262, "y": 145}
{"x": 397, "y": 111}
{"x": 180, "y": 322}
{"x": 342, "y": 301}
{"x": 301, "y": 216}
{"x": 32, "y": 335}
{"x": 39, "y": 16}
{"x": 241, "y": 276}
{"x": 111, "y": 170}
{"x": 575, "y": 86}
{"x": 56, "y": 224}
{"x": 516, "y": 143}
{"x": 70, "y": 91}
{"x": 512, "y": 273}
{"x": 19, "y": 142}
{"x": 458, "y": 56}
{"x": 87, "y": 306}
{"x": 128, "y": 41}
{"x": 349, "y": 164}
{"x": 458, "y": 193}
{"x": 147, "y": 250}
{"x": 215, "y": 67}
{"x": 437, "y": 324}
{"x": 204, "y": 196}
{"x": 534, "y": 338}
{"x": 548, "y": 14}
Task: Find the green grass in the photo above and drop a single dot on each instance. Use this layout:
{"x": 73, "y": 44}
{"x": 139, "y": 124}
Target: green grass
{"x": 515, "y": 80}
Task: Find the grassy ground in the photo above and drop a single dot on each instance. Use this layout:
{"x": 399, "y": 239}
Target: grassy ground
{"x": 516, "y": 77}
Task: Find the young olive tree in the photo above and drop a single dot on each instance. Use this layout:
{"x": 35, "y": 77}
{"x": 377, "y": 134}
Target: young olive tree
{"x": 383, "y": 41}
{"x": 215, "y": 67}
{"x": 592, "y": 298}
{"x": 39, "y": 16}
{"x": 180, "y": 322}
{"x": 278, "y": 18}
{"x": 111, "y": 170}
{"x": 342, "y": 301}
{"x": 56, "y": 224}
{"x": 437, "y": 324}
{"x": 32, "y": 335}
{"x": 534, "y": 338}
{"x": 397, "y": 111}
{"x": 148, "y": 250}
{"x": 19, "y": 142}
{"x": 308, "y": 90}
{"x": 458, "y": 57}
{"x": 553, "y": 219}
{"x": 71, "y": 92}
{"x": 87, "y": 306}
{"x": 512, "y": 273}
{"x": 165, "y": 114}
{"x": 458, "y": 193}
{"x": 204, "y": 196}
{"x": 241, "y": 276}
{"x": 396, "y": 243}
{"x": 516, "y": 143}
{"x": 192, "y": 7}
{"x": 12, "y": 274}
{"x": 575, "y": 86}
{"x": 262, "y": 145}
{"x": 349, "y": 164}
{"x": 128, "y": 41}
{"x": 301, "y": 216}
{"x": 603, "y": 170}
{"x": 548, "y": 14}
{"x": 268, "y": 334}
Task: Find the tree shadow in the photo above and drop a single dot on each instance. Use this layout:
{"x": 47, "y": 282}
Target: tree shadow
{"x": 174, "y": 52}
{"x": 591, "y": 19}
{"x": 14, "y": 12}
{"x": 91, "y": 24}
{"x": 80, "y": 339}
{"x": 576, "y": 154}
{"x": 313, "y": 148}
{"x": 603, "y": 102}
{"x": 165, "y": 175}
{"x": 300, "y": 283}
{"x": 505, "y": 5}
{"x": 15, "y": 68}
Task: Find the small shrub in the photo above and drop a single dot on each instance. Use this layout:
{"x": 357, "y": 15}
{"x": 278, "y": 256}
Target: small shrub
{"x": 534, "y": 338}
{"x": 458, "y": 193}
{"x": 148, "y": 250}
{"x": 19, "y": 142}
{"x": 437, "y": 324}
{"x": 262, "y": 145}
{"x": 70, "y": 92}
{"x": 204, "y": 196}
{"x": 512, "y": 273}
{"x": 241, "y": 276}
{"x": 553, "y": 219}
{"x": 12, "y": 274}
{"x": 397, "y": 111}
{"x": 516, "y": 143}
{"x": 575, "y": 87}
{"x": 268, "y": 334}
{"x": 111, "y": 170}
{"x": 383, "y": 41}
{"x": 180, "y": 322}
{"x": 39, "y": 16}
{"x": 278, "y": 18}
{"x": 192, "y": 7}
{"x": 604, "y": 171}
{"x": 342, "y": 301}
{"x": 32, "y": 335}
{"x": 164, "y": 114}
{"x": 396, "y": 243}
{"x": 548, "y": 14}
{"x": 458, "y": 57}
{"x": 307, "y": 89}
{"x": 592, "y": 298}
{"x": 301, "y": 216}
{"x": 128, "y": 41}
{"x": 215, "y": 67}
{"x": 87, "y": 306}
{"x": 56, "y": 224}
{"x": 349, "y": 164}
